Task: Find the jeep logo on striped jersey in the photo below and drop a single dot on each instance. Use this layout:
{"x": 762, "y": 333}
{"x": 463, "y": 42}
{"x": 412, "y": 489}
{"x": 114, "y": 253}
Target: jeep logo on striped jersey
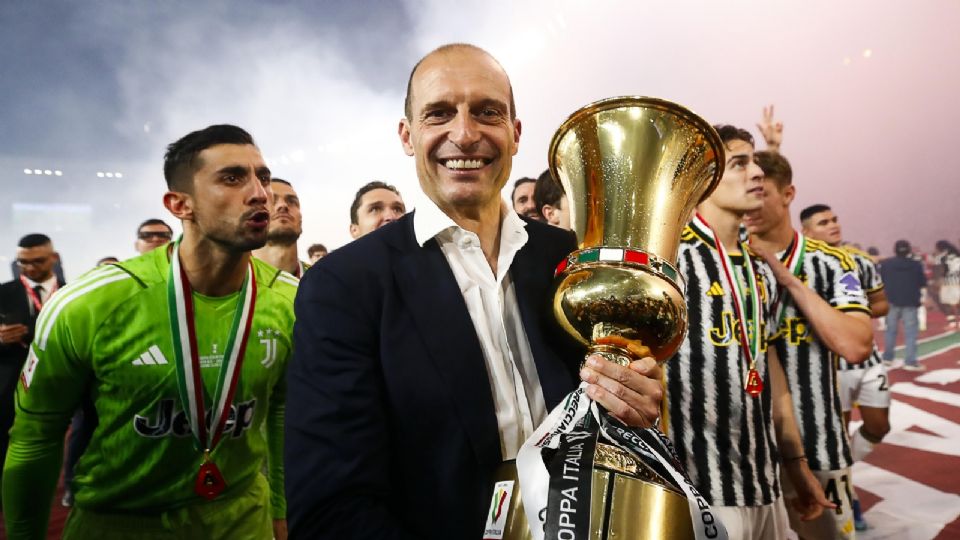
{"x": 168, "y": 421}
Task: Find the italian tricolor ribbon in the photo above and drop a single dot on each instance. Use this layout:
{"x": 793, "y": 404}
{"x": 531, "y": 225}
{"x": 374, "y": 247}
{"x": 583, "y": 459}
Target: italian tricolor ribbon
{"x": 794, "y": 263}
{"x": 751, "y": 345}
{"x": 190, "y": 382}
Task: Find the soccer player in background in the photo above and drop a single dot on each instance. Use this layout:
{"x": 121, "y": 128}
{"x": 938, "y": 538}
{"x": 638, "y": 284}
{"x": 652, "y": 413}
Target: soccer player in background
{"x": 286, "y": 226}
{"x": 182, "y": 352}
{"x": 730, "y": 447}
{"x": 825, "y": 314}
{"x": 375, "y": 204}
{"x": 867, "y": 382}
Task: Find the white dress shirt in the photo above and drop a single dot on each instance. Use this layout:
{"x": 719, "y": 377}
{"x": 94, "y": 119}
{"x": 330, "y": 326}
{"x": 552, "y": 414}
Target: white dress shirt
{"x": 48, "y": 286}
{"x": 492, "y": 303}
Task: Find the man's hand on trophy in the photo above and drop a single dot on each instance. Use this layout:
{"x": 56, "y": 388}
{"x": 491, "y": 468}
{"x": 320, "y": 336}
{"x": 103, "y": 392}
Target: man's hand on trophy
{"x": 771, "y": 130}
{"x": 810, "y": 500}
{"x": 632, "y": 393}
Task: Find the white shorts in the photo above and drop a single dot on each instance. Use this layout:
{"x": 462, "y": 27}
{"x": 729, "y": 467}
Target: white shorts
{"x": 869, "y": 387}
{"x": 950, "y": 295}
{"x": 837, "y": 524}
{"x": 768, "y": 522}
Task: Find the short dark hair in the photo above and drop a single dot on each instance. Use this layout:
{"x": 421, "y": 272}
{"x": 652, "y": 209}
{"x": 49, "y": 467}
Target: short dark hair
{"x": 901, "y": 248}
{"x": 368, "y": 187}
{"x": 281, "y": 180}
{"x": 107, "y": 259}
{"x": 180, "y": 161}
{"x": 733, "y": 133}
{"x": 945, "y": 245}
{"x": 154, "y": 221}
{"x": 809, "y": 211}
{"x": 547, "y": 191}
{"x": 518, "y": 183}
{"x": 873, "y": 251}
{"x": 34, "y": 240}
{"x": 408, "y": 99}
{"x": 775, "y": 167}
{"x": 316, "y": 248}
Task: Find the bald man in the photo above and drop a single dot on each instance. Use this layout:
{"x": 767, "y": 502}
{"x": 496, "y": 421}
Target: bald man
{"x": 424, "y": 357}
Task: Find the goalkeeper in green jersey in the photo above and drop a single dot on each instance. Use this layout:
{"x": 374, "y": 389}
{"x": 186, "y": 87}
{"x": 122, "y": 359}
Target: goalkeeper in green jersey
{"x": 182, "y": 352}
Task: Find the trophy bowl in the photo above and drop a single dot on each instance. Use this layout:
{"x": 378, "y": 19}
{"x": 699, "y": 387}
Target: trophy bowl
{"x": 633, "y": 170}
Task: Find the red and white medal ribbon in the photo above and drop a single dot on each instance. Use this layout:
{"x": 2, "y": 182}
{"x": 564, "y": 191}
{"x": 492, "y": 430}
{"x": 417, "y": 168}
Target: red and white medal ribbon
{"x": 794, "y": 263}
{"x": 32, "y": 294}
{"x": 183, "y": 326}
{"x": 753, "y": 385}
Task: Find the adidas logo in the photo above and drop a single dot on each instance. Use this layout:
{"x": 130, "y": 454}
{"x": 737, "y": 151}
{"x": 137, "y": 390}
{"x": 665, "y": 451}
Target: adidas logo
{"x": 153, "y": 357}
{"x": 715, "y": 290}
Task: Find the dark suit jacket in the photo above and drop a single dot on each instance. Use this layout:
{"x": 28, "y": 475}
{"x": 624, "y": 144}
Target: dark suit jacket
{"x": 15, "y": 306}
{"x": 390, "y": 428}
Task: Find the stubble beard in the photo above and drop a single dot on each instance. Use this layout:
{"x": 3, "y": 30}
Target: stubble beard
{"x": 283, "y": 237}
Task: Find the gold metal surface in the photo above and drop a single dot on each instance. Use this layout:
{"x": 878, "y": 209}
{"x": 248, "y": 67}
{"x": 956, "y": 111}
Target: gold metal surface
{"x": 634, "y": 168}
{"x": 641, "y": 509}
{"x": 601, "y": 299}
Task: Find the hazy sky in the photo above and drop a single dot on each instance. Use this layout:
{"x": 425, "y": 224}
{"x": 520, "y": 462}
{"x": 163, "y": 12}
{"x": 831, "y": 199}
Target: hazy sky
{"x": 866, "y": 90}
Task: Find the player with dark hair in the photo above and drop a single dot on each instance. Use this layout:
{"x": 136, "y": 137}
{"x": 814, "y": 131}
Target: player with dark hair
{"x": 316, "y": 252}
{"x": 551, "y": 201}
{"x": 732, "y": 449}
{"x": 182, "y": 353}
{"x": 948, "y": 261}
{"x": 866, "y": 383}
{"x": 823, "y": 313}
{"x": 286, "y": 226}
{"x": 522, "y": 198}
{"x": 375, "y": 204}
{"x": 151, "y": 234}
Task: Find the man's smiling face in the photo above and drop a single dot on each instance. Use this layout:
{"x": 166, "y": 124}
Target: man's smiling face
{"x": 461, "y": 130}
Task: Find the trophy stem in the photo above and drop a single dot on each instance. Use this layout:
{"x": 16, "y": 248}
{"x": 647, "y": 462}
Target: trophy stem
{"x": 613, "y": 353}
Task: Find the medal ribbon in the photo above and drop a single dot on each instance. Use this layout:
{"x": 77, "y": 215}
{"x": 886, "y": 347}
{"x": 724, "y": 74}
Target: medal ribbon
{"x": 793, "y": 262}
{"x": 190, "y": 383}
{"x": 751, "y": 346}
{"x": 32, "y": 295}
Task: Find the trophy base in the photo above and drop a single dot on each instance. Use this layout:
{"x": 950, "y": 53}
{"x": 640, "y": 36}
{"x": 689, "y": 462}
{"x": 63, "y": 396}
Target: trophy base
{"x": 628, "y": 501}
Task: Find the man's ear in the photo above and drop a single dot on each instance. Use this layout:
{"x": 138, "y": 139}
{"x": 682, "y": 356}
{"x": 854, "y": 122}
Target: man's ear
{"x": 517, "y": 128}
{"x": 179, "y": 204}
{"x": 547, "y": 212}
{"x": 789, "y": 193}
{"x": 404, "y": 131}
{"x": 354, "y": 231}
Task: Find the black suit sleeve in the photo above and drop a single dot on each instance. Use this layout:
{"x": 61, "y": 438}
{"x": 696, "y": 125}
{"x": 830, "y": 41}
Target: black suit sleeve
{"x": 337, "y": 449}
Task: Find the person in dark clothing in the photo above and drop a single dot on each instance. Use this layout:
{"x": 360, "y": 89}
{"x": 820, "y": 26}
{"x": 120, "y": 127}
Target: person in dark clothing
{"x": 905, "y": 282}
{"x": 20, "y": 303}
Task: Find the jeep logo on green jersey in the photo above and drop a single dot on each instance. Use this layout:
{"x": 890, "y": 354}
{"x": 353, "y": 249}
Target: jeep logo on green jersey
{"x": 165, "y": 421}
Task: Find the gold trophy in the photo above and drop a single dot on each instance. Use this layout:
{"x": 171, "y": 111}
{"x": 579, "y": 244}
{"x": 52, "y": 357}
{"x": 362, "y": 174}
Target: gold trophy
{"x": 633, "y": 169}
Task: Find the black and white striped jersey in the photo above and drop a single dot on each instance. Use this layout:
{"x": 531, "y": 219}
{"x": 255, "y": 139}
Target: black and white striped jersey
{"x": 950, "y": 263}
{"x": 872, "y": 282}
{"x": 724, "y": 437}
{"x": 809, "y": 365}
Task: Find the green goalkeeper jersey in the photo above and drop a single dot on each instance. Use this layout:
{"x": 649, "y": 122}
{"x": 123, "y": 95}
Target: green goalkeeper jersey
{"x": 107, "y": 337}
